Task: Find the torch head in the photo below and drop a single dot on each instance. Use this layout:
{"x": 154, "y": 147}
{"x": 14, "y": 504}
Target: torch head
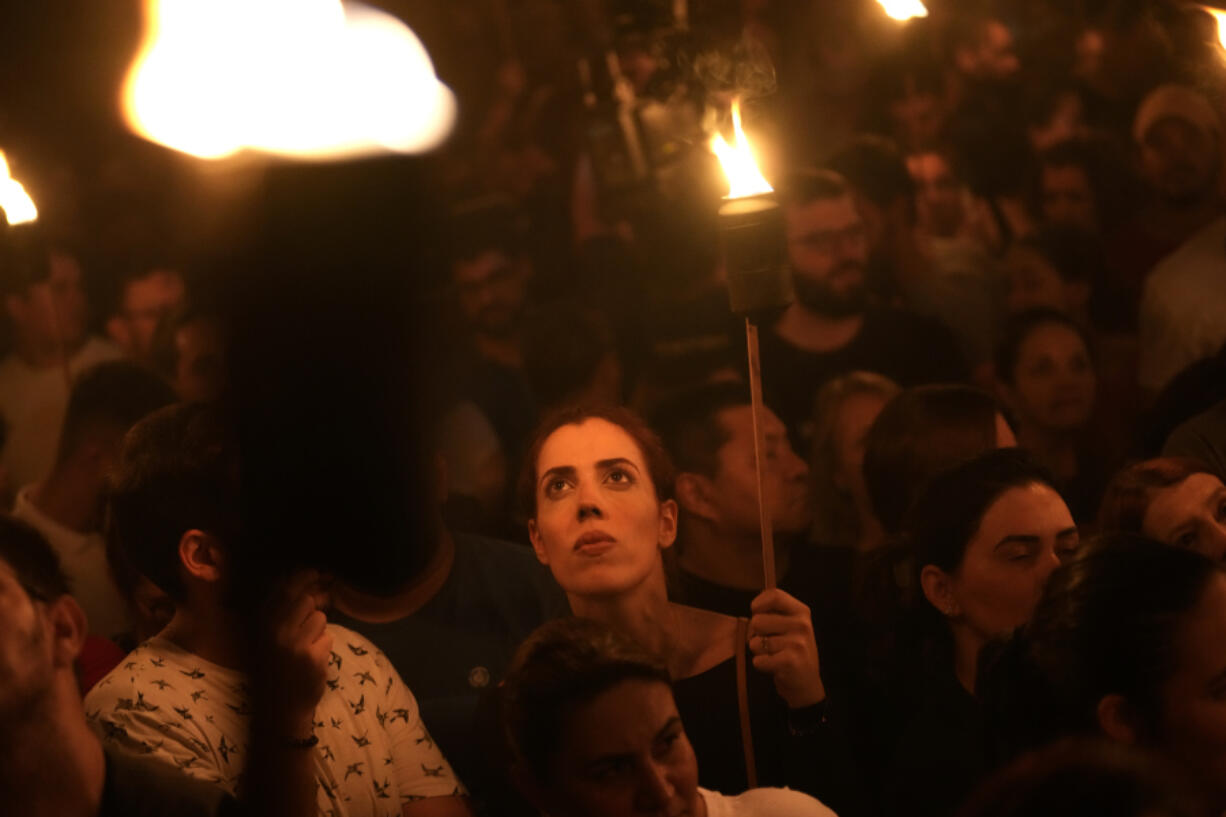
{"x": 751, "y": 231}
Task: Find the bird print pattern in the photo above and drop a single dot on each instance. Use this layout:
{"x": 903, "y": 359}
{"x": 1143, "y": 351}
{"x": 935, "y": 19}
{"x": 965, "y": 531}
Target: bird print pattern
{"x": 373, "y": 752}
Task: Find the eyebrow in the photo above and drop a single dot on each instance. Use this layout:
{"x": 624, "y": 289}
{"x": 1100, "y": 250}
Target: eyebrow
{"x": 1025, "y": 539}
{"x": 1073, "y": 531}
{"x": 675, "y": 720}
{"x": 569, "y": 471}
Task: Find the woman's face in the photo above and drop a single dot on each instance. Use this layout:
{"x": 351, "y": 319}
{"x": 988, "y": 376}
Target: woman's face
{"x": 625, "y": 753}
{"x": 1022, "y": 538}
{"x": 1053, "y": 381}
{"x": 1193, "y": 727}
{"x": 1191, "y": 515}
{"x": 598, "y": 524}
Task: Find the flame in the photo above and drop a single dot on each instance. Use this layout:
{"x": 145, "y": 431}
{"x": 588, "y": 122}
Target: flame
{"x": 1220, "y": 16}
{"x": 308, "y": 79}
{"x": 903, "y": 10}
{"x": 744, "y": 178}
{"x": 14, "y": 200}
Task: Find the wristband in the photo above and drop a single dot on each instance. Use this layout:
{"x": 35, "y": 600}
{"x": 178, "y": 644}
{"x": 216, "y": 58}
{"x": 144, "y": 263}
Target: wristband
{"x": 807, "y": 719}
{"x": 302, "y": 743}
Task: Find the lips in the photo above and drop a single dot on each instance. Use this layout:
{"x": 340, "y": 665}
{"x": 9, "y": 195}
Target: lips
{"x": 593, "y": 541}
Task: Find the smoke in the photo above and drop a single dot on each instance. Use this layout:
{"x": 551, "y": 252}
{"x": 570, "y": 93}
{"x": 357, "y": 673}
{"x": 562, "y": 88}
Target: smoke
{"x": 744, "y": 71}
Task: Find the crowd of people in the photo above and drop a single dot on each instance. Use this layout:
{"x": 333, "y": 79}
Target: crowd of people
{"x": 993, "y": 447}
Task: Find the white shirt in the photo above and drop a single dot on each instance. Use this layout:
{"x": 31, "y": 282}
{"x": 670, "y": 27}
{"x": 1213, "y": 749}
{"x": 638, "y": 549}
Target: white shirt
{"x": 764, "y": 803}
{"x": 83, "y": 557}
{"x": 373, "y": 755}
{"x": 1182, "y": 317}
{"x": 33, "y": 402}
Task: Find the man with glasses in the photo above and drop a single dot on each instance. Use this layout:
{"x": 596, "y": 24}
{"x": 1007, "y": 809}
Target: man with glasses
{"x": 833, "y": 327}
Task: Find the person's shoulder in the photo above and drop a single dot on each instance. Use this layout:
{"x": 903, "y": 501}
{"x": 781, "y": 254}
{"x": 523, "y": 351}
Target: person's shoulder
{"x": 1202, "y": 255}
{"x": 96, "y": 350}
{"x": 141, "y": 787}
{"x": 764, "y": 802}
{"x": 504, "y": 569}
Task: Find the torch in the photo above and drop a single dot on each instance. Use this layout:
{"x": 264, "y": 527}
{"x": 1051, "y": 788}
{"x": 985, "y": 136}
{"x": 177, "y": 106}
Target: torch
{"x": 751, "y": 234}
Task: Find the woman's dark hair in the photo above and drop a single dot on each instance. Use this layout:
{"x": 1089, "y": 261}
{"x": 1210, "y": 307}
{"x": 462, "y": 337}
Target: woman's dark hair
{"x": 951, "y": 506}
{"x": 564, "y": 664}
{"x": 1130, "y": 491}
{"x": 1020, "y": 327}
{"x": 1080, "y": 776}
{"x": 1107, "y": 624}
{"x": 659, "y": 465}
{"x": 918, "y": 434}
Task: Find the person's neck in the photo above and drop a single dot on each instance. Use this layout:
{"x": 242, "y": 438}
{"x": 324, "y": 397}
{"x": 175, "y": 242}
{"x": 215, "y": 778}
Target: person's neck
{"x": 727, "y": 559}
{"x": 51, "y": 765}
{"x": 815, "y": 332}
{"x": 206, "y": 633}
{"x": 1178, "y": 221}
{"x": 410, "y": 599}
{"x": 71, "y": 497}
{"x": 967, "y": 645}
{"x": 1055, "y": 451}
{"x": 645, "y": 614}
{"x": 502, "y": 349}
{"x": 44, "y": 354}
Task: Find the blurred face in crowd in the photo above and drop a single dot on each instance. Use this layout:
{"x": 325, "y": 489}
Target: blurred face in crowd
{"x": 1053, "y": 381}
{"x": 200, "y": 368}
{"x": 855, "y": 417}
{"x": 938, "y": 194}
{"x": 491, "y": 292}
{"x": 1068, "y": 199}
{"x": 733, "y": 490}
{"x": 52, "y": 313}
{"x": 146, "y": 301}
{"x": 624, "y": 753}
{"x": 26, "y": 661}
{"x": 1190, "y": 514}
{"x": 918, "y": 118}
{"x": 599, "y": 525}
{"x": 1021, "y": 539}
{"x": 1180, "y": 160}
{"x": 828, "y": 252}
{"x": 1192, "y": 727}
{"x": 993, "y": 57}
{"x": 1034, "y": 282}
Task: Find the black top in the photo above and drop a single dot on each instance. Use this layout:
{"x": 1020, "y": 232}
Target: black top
{"x": 140, "y": 787}
{"x": 941, "y": 755}
{"x": 460, "y": 643}
{"x": 803, "y": 750}
{"x": 908, "y": 348}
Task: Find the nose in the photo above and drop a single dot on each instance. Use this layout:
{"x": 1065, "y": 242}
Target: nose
{"x": 655, "y": 789}
{"x": 589, "y": 503}
{"x": 1049, "y": 561}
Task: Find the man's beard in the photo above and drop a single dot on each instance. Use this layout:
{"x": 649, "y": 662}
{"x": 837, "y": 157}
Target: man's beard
{"x": 822, "y": 298}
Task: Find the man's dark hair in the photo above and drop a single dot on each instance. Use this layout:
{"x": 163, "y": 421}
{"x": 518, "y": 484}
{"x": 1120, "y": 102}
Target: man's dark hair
{"x": 874, "y": 166}
{"x": 688, "y": 424}
{"x": 491, "y": 223}
{"x": 1020, "y": 327}
{"x": 178, "y": 472}
{"x": 564, "y": 664}
{"x": 112, "y": 396}
{"x": 800, "y": 187}
{"x": 33, "y": 561}
{"x": 918, "y": 434}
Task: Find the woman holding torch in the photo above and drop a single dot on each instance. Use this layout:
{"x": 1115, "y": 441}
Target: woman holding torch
{"x": 596, "y": 489}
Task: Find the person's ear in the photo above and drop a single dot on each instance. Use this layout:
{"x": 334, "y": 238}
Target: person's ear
{"x": 1116, "y": 719}
{"x": 201, "y": 555}
{"x": 668, "y": 523}
{"x": 694, "y": 494}
{"x": 68, "y": 629}
{"x": 938, "y": 587}
{"x": 538, "y": 544}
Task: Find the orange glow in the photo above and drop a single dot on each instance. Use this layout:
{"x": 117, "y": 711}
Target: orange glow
{"x": 307, "y": 79}
{"x": 14, "y": 200}
{"x": 1220, "y": 16}
{"x": 737, "y": 160}
{"x": 903, "y": 10}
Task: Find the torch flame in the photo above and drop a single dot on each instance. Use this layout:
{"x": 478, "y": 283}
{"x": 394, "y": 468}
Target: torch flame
{"x": 903, "y": 10}
{"x": 737, "y": 160}
{"x": 1220, "y": 16}
{"x": 309, "y": 79}
{"x": 14, "y": 200}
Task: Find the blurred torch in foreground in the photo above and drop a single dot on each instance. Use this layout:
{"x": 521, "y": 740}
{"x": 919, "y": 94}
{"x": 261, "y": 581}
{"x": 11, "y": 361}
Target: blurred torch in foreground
{"x": 1219, "y": 17}
{"x": 306, "y": 79}
{"x": 903, "y": 10}
{"x": 16, "y": 203}
{"x": 751, "y": 232}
